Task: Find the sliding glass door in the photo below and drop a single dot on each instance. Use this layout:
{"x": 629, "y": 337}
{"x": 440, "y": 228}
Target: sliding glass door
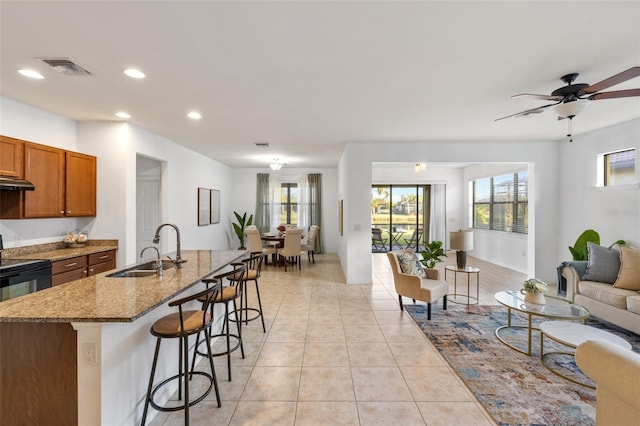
{"x": 399, "y": 211}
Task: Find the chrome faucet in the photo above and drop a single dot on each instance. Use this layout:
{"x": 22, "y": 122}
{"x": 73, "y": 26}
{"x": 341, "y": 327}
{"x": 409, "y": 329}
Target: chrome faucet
{"x": 156, "y": 239}
{"x": 158, "y": 259}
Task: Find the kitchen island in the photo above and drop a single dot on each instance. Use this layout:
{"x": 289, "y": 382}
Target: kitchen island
{"x": 80, "y": 352}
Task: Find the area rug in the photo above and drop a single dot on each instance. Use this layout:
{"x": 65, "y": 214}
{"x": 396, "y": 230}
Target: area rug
{"x": 514, "y": 388}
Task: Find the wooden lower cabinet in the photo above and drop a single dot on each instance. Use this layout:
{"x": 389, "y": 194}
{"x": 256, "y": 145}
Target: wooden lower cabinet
{"x": 38, "y": 374}
{"x": 75, "y": 268}
{"x": 101, "y": 262}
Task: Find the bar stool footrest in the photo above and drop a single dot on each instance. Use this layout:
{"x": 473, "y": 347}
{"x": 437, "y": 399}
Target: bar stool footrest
{"x": 223, "y": 335}
{"x": 180, "y": 377}
{"x": 245, "y": 316}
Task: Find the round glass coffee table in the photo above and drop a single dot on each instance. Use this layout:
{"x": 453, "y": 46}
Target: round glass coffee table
{"x": 555, "y": 309}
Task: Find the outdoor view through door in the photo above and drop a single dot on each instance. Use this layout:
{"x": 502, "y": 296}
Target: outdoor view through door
{"x": 400, "y": 214}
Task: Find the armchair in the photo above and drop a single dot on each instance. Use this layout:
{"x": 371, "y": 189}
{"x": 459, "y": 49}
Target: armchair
{"x": 427, "y": 289}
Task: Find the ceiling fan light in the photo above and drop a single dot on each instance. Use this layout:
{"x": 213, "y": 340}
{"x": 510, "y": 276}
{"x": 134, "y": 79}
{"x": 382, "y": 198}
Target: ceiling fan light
{"x": 570, "y": 109}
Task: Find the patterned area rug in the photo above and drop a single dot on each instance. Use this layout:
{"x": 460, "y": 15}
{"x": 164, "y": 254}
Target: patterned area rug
{"x": 514, "y": 388}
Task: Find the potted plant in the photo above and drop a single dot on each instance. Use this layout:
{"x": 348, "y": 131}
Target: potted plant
{"x": 240, "y": 226}
{"x": 580, "y": 249}
{"x": 432, "y": 254}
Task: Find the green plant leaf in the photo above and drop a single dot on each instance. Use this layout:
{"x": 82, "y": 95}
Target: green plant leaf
{"x": 579, "y": 250}
{"x": 619, "y": 242}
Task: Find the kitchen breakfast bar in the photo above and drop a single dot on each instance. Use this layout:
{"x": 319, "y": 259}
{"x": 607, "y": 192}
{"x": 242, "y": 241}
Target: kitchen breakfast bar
{"x": 81, "y": 352}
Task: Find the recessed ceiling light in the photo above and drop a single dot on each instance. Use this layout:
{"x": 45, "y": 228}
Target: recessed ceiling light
{"x": 30, "y": 73}
{"x": 134, "y": 73}
{"x": 194, "y": 115}
{"x": 122, "y": 114}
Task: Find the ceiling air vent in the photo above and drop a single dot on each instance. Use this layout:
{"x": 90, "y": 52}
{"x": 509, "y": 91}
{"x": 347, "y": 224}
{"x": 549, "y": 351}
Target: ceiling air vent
{"x": 261, "y": 144}
{"x": 65, "y": 66}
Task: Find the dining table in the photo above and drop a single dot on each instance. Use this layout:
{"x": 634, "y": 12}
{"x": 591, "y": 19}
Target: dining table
{"x": 274, "y": 240}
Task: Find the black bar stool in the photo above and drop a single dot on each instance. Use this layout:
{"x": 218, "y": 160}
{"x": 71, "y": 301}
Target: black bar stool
{"x": 181, "y": 325}
{"x": 228, "y": 294}
{"x": 254, "y": 266}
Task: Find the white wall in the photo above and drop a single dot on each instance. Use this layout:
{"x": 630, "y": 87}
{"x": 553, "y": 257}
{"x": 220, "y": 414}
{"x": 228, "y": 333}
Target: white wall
{"x": 613, "y": 213}
{"x": 116, "y": 145}
{"x": 244, "y": 183}
{"x": 35, "y": 125}
{"x": 357, "y": 159}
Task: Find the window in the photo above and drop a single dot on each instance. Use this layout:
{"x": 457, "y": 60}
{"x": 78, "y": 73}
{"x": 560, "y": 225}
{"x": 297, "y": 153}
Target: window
{"x": 617, "y": 168}
{"x": 289, "y": 203}
{"x": 500, "y": 203}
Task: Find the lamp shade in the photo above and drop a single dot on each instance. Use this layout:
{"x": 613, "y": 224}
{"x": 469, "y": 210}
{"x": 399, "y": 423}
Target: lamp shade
{"x": 461, "y": 239}
{"x": 570, "y": 109}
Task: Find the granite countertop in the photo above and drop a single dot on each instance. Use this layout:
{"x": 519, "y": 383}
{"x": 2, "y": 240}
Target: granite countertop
{"x": 102, "y": 299}
{"x": 59, "y": 250}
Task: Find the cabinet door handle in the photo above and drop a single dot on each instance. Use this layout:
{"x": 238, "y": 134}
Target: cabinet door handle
{"x": 69, "y": 265}
{"x": 104, "y": 257}
{"x": 61, "y": 211}
{"x": 68, "y": 211}
{"x": 91, "y": 270}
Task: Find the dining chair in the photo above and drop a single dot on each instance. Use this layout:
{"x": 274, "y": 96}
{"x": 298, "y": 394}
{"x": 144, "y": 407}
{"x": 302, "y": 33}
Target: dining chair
{"x": 292, "y": 247}
{"x": 254, "y": 244}
{"x": 310, "y": 245}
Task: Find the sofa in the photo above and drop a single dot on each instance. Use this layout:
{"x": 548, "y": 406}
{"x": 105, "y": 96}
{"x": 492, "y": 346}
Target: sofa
{"x": 608, "y": 285}
{"x": 616, "y": 372}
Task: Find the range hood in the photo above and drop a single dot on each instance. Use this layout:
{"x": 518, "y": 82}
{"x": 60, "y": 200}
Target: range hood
{"x": 12, "y": 184}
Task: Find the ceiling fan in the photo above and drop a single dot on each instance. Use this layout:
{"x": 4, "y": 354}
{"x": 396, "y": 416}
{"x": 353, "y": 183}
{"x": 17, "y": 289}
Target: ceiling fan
{"x": 569, "y": 100}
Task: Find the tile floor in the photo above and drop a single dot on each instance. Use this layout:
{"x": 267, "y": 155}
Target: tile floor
{"x": 337, "y": 354}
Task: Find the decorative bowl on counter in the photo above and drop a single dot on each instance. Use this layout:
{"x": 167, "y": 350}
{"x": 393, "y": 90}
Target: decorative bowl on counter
{"x": 76, "y": 239}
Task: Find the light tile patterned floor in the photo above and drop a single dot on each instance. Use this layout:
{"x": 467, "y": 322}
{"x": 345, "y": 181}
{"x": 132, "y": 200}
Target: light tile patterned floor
{"x": 337, "y": 354}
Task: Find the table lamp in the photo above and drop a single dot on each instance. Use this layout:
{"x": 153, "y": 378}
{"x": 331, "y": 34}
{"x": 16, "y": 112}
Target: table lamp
{"x": 461, "y": 241}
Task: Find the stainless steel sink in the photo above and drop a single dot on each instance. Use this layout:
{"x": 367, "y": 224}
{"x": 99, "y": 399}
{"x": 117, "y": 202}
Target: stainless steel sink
{"x": 166, "y": 264}
{"x": 144, "y": 270}
{"x": 132, "y": 273}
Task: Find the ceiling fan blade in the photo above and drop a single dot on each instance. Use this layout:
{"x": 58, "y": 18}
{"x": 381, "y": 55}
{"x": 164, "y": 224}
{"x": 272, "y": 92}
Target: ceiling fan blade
{"x": 528, "y": 111}
{"x": 613, "y": 80}
{"x": 616, "y": 94}
{"x": 534, "y": 96}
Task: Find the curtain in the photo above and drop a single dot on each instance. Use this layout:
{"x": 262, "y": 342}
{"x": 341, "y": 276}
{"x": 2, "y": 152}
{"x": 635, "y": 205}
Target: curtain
{"x": 262, "y": 216}
{"x": 304, "y": 204}
{"x": 315, "y": 206}
{"x": 438, "y": 212}
{"x": 275, "y": 206}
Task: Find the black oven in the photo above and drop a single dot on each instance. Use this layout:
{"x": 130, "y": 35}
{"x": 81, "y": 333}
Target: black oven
{"x": 20, "y": 277}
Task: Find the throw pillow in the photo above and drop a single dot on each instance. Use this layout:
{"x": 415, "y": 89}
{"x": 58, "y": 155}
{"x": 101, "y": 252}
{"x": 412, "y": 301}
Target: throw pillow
{"x": 603, "y": 264}
{"x": 408, "y": 263}
{"x": 629, "y": 276}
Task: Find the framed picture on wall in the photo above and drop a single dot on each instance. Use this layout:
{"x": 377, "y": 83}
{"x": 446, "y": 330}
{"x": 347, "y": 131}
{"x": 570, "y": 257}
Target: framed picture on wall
{"x": 204, "y": 206}
{"x": 215, "y": 206}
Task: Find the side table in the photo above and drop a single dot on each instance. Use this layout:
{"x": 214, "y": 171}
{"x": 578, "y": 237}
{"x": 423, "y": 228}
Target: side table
{"x": 469, "y": 270}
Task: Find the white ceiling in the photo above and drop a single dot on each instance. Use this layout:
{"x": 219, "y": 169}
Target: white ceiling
{"x": 309, "y": 77}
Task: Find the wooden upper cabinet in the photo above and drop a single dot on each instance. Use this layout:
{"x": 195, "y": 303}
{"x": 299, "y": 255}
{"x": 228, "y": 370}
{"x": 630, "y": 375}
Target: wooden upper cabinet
{"x": 44, "y": 167}
{"x": 11, "y": 157}
{"x": 80, "y": 188}
{"x": 65, "y": 181}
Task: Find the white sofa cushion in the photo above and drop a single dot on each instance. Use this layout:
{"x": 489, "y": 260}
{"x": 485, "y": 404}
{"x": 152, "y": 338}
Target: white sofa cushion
{"x": 633, "y": 304}
{"x": 606, "y": 293}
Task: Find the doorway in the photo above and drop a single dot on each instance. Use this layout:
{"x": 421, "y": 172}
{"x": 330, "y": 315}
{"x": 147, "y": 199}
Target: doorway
{"x": 148, "y": 200}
